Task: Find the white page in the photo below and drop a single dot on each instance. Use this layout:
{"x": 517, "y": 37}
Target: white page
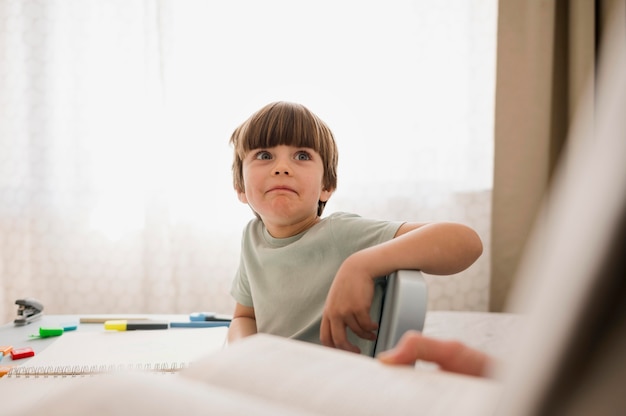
{"x": 152, "y": 348}
{"x": 335, "y": 382}
{"x": 129, "y": 394}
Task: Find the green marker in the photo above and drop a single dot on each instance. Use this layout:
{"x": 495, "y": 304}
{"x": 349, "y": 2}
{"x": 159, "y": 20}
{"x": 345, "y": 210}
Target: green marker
{"x": 49, "y": 332}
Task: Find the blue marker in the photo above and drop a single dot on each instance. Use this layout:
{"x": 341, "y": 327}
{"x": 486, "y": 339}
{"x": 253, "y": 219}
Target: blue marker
{"x": 69, "y": 327}
{"x": 209, "y": 316}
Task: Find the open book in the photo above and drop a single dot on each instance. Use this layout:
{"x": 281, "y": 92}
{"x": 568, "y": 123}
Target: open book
{"x": 261, "y": 375}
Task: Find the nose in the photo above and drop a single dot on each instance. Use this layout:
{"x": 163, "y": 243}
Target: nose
{"x": 281, "y": 171}
{"x": 281, "y": 167}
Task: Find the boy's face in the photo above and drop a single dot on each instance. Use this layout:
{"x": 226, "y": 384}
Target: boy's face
{"x": 283, "y": 184}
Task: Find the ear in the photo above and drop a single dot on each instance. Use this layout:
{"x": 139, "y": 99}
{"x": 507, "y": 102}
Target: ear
{"x": 325, "y": 195}
{"x": 242, "y": 197}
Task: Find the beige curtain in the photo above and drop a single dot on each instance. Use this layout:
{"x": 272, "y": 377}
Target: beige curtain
{"x": 545, "y": 60}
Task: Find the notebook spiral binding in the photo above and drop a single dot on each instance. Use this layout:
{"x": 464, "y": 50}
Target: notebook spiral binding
{"x": 89, "y": 370}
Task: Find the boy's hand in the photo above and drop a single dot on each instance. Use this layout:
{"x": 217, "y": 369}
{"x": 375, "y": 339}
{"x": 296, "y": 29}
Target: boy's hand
{"x": 348, "y": 305}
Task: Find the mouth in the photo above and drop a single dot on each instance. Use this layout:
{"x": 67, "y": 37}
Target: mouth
{"x": 281, "y": 189}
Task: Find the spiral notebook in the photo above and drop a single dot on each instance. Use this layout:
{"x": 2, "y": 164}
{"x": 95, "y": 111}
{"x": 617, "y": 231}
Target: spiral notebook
{"x": 85, "y": 353}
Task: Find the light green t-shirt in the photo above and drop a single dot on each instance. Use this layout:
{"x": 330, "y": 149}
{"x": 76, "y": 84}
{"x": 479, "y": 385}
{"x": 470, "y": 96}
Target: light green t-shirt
{"x": 286, "y": 280}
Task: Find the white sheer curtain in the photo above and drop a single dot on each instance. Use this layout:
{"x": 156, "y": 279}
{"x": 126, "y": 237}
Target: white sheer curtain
{"x": 115, "y": 186}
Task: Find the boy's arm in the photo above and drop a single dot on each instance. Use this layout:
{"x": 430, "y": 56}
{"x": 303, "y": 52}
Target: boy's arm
{"x": 437, "y": 248}
{"x": 242, "y": 324}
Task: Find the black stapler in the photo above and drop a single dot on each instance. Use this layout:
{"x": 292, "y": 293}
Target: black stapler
{"x": 28, "y": 310}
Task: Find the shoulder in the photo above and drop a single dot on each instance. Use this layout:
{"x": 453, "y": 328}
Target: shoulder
{"x": 341, "y": 221}
{"x": 342, "y": 216}
{"x": 255, "y": 225}
{"x": 350, "y": 225}
{"x": 351, "y": 232}
{"x": 349, "y": 219}
{"x": 252, "y": 233}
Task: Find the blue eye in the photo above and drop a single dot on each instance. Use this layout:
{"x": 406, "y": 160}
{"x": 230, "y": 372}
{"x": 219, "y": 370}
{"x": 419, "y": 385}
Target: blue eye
{"x": 263, "y": 155}
{"x": 302, "y": 155}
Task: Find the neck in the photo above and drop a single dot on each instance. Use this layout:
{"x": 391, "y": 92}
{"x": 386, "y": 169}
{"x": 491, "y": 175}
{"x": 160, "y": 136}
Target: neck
{"x": 289, "y": 230}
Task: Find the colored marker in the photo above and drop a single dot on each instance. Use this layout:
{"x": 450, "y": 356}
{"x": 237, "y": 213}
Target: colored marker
{"x": 125, "y": 325}
{"x": 209, "y": 316}
{"x": 69, "y": 327}
{"x": 199, "y": 324}
{"x": 50, "y": 332}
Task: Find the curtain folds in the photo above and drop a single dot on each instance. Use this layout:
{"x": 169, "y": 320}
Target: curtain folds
{"x": 546, "y": 61}
{"x": 115, "y": 182}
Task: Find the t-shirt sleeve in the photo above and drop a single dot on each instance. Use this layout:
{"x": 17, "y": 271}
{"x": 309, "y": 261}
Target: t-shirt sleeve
{"x": 356, "y": 233}
{"x": 240, "y": 287}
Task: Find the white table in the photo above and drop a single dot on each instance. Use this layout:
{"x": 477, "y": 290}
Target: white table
{"x": 486, "y": 331}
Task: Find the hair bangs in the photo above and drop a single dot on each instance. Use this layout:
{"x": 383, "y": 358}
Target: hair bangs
{"x": 282, "y": 124}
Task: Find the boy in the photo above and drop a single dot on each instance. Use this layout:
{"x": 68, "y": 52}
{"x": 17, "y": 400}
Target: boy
{"x": 311, "y": 278}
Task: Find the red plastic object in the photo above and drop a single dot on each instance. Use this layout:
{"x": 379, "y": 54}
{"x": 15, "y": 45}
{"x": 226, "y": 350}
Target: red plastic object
{"x": 17, "y": 353}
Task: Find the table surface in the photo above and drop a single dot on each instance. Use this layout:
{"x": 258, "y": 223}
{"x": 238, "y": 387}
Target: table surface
{"x": 493, "y": 333}
{"x": 20, "y": 336}
{"x": 489, "y": 332}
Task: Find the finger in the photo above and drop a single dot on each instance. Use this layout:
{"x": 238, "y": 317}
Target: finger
{"x": 358, "y": 330}
{"x": 365, "y": 329}
{"x": 326, "y": 337}
{"x": 339, "y": 336}
{"x": 449, "y": 355}
{"x": 366, "y": 324}
{"x": 407, "y": 351}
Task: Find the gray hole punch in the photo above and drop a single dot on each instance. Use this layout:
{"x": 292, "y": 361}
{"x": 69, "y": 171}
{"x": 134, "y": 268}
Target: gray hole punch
{"x": 28, "y": 310}
{"x": 404, "y": 307}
